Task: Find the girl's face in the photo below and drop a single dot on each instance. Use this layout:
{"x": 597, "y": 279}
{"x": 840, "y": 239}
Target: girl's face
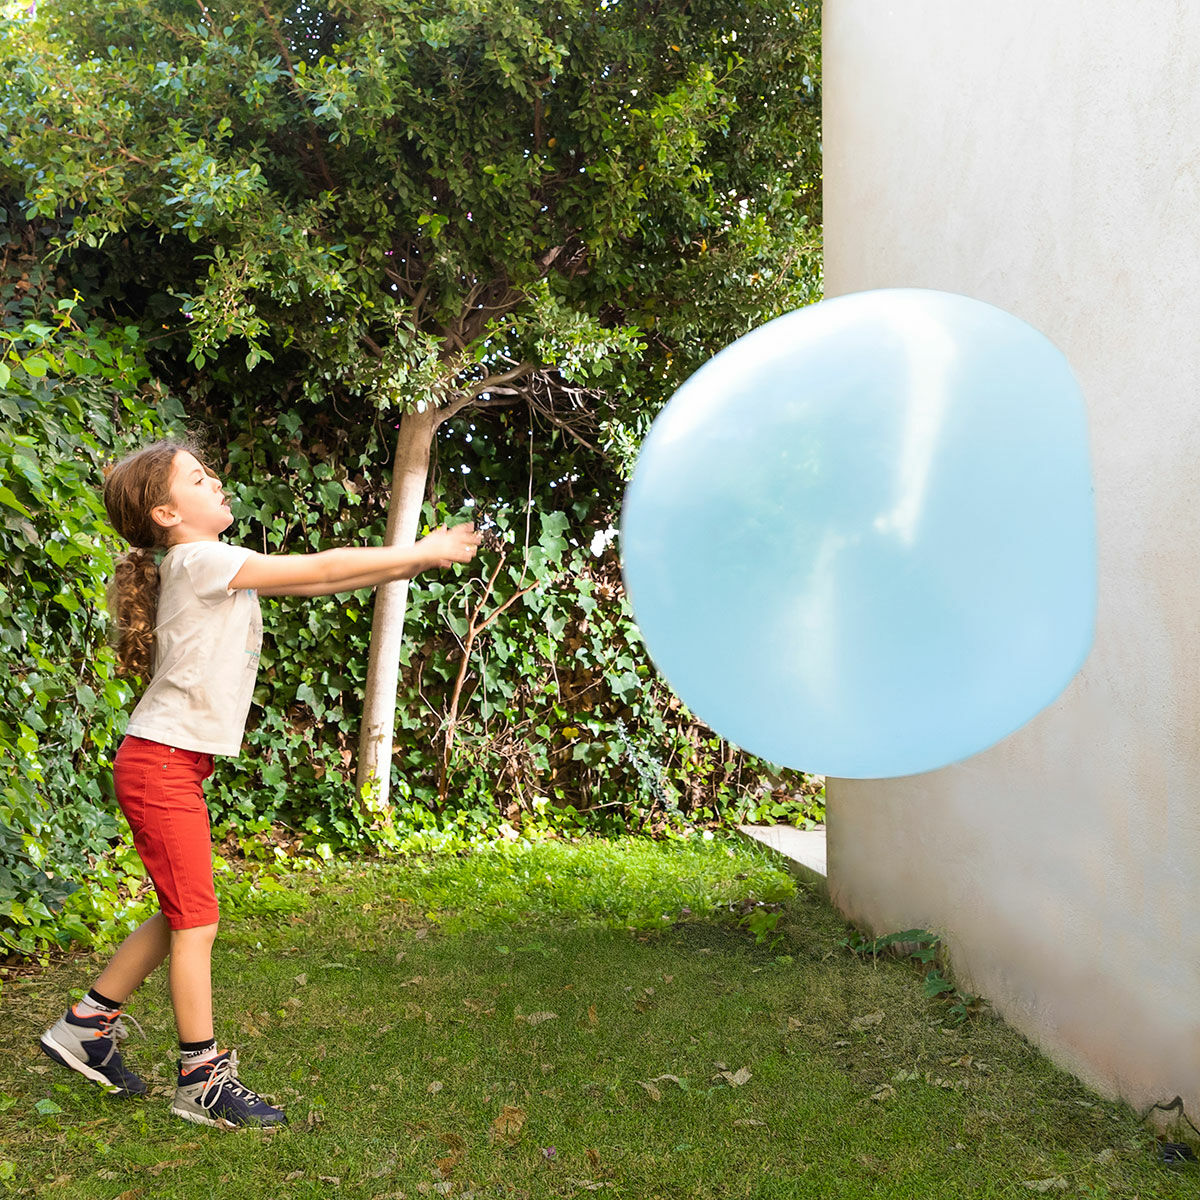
{"x": 198, "y": 511}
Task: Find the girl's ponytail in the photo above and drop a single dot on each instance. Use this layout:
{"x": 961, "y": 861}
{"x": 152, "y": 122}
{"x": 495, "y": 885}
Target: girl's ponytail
{"x": 132, "y": 489}
{"x": 133, "y": 600}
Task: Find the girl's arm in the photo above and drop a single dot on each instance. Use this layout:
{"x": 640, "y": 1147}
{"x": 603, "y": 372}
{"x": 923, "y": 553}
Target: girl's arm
{"x": 327, "y": 589}
{"x": 351, "y": 567}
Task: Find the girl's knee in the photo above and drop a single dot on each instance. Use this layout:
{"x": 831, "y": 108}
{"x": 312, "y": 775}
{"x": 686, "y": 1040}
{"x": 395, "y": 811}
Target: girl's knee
{"x": 197, "y": 936}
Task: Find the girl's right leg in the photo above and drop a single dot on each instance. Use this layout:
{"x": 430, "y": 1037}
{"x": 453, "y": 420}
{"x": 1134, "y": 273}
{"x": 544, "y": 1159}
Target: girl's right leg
{"x": 191, "y": 982}
{"x": 208, "y": 1090}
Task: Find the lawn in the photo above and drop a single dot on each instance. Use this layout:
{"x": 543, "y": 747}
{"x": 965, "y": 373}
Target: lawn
{"x": 567, "y": 1019}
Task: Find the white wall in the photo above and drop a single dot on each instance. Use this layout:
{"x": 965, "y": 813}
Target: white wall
{"x": 1046, "y": 158}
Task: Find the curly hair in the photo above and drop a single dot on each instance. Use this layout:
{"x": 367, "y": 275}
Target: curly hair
{"x": 132, "y": 488}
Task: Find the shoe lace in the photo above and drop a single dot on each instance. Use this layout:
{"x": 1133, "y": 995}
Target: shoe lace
{"x": 113, "y": 1027}
{"x": 224, "y": 1075}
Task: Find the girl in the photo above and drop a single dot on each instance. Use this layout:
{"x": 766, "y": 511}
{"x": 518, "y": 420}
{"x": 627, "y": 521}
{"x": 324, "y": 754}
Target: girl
{"x": 193, "y": 625}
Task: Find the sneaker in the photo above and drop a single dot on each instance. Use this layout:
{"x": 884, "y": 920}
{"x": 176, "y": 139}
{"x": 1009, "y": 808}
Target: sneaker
{"x": 89, "y": 1045}
{"x": 212, "y": 1094}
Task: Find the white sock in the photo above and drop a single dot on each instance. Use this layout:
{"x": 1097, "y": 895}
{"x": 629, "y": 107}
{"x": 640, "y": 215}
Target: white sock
{"x": 90, "y": 1007}
{"x": 193, "y": 1058}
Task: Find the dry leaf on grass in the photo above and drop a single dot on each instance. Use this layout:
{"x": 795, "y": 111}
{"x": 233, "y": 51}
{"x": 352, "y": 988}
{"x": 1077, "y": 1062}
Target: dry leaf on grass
{"x": 866, "y": 1021}
{"x": 159, "y": 1167}
{"x": 737, "y": 1078}
{"x": 507, "y": 1126}
{"x": 435, "y": 1087}
{"x": 654, "y": 1091}
{"x": 384, "y": 1168}
{"x": 458, "y": 1150}
{"x": 536, "y": 1018}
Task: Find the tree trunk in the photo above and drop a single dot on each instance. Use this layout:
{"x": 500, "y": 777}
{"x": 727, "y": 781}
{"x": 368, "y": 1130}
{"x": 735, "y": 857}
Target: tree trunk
{"x": 413, "y": 445}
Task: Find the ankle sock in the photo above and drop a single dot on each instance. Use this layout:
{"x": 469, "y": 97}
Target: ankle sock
{"x": 192, "y": 1054}
{"x": 94, "y": 1003}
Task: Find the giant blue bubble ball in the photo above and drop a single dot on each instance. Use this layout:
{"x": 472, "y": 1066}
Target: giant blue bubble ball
{"x": 860, "y": 541}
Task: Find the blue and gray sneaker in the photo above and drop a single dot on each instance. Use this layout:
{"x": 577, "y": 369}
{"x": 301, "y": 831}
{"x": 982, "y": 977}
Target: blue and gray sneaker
{"x": 212, "y": 1094}
{"x": 89, "y": 1045}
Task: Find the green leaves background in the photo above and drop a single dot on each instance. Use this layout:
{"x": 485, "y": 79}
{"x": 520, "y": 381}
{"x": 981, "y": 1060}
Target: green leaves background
{"x": 287, "y": 226}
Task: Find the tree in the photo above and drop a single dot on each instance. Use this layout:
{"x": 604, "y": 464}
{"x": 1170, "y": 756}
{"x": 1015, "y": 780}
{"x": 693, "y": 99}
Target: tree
{"x": 423, "y": 206}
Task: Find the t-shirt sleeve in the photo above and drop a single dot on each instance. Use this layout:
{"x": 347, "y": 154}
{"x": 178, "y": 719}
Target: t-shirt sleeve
{"x": 211, "y": 565}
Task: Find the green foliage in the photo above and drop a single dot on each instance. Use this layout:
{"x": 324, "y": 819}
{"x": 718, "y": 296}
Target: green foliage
{"x": 762, "y": 923}
{"x": 72, "y": 397}
{"x": 802, "y": 804}
{"x": 925, "y": 948}
{"x": 563, "y": 722}
{"x": 400, "y": 200}
{"x": 313, "y": 220}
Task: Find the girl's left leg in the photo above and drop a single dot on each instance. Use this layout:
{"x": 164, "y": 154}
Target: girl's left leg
{"x": 86, "y": 1037}
{"x": 136, "y": 957}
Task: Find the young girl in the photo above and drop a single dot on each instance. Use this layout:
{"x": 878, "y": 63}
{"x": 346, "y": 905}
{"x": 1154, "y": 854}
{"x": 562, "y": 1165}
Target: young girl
{"x": 193, "y": 625}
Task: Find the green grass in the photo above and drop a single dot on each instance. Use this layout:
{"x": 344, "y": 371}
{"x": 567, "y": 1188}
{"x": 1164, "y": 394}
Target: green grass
{"x": 397, "y": 1009}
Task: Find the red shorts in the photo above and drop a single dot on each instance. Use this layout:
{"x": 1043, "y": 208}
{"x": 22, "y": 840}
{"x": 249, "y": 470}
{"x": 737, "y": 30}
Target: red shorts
{"x": 160, "y": 791}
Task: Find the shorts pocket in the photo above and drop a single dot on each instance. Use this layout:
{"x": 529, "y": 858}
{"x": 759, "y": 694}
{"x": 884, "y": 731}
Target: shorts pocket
{"x": 130, "y": 782}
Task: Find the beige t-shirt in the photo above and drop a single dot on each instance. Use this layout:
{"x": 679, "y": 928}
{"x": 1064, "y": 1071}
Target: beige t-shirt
{"x": 206, "y": 645}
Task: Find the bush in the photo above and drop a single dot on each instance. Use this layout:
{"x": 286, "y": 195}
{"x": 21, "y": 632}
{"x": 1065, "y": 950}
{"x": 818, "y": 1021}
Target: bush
{"x": 72, "y": 397}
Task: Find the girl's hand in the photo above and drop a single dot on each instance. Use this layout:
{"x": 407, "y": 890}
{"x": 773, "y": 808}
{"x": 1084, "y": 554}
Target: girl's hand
{"x": 450, "y": 545}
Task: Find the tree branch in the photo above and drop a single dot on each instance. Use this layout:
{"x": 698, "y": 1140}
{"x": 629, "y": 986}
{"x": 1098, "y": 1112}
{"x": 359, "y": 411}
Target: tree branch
{"x": 477, "y": 389}
{"x": 567, "y": 427}
{"x": 312, "y": 128}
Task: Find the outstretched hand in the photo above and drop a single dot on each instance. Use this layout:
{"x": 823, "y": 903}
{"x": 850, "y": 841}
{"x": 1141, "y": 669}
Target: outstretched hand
{"x": 447, "y": 545}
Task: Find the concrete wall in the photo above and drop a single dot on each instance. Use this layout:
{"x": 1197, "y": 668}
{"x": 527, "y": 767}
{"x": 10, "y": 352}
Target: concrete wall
{"x": 1046, "y": 158}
